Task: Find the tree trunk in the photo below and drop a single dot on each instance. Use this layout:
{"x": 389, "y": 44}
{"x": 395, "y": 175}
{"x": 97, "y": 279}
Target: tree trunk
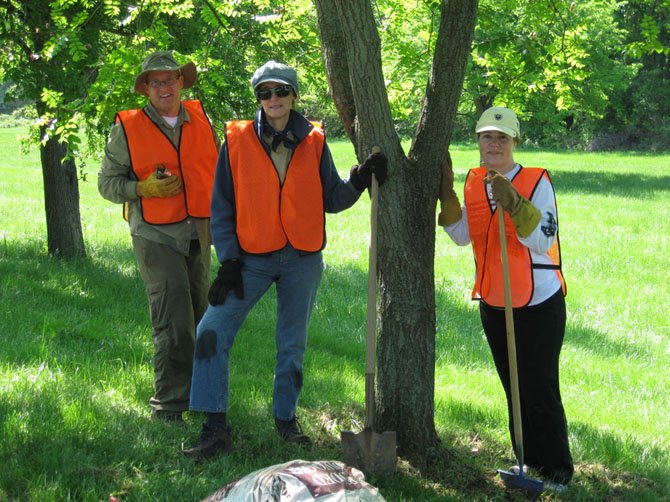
{"x": 61, "y": 200}
{"x": 404, "y": 390}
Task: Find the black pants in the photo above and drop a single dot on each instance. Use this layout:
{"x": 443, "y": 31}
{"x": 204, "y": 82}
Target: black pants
{"x": 539, "y": 332}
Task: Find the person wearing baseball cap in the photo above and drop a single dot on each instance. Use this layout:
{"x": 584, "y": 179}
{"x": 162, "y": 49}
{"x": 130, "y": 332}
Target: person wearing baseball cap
{"x": 526, "y": 195}
{"x": 159, "y": 163}
{"x": 275, "y": 180}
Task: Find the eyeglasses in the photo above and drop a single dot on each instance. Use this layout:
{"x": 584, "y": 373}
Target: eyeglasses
{"x": 157, "y": 84}
{"x": 489, "y": 139}
{"x": 282, "y": 91}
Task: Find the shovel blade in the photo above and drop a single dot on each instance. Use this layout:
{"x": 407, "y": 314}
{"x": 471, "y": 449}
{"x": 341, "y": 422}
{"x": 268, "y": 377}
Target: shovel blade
{"x": 369, "y": 451}
{"x": 532, "y": 486}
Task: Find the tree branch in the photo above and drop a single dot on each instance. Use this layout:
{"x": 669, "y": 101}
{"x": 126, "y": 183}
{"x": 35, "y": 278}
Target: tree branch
{"x": 337, "y": 68}
{"x": 453, "y": 45}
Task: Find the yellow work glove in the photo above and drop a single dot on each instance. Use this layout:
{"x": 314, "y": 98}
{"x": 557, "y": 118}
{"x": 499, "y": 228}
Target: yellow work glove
{"x": 525, "y": 217}
{"x": 450, "y": 206}
{"x": 159, "y": 187}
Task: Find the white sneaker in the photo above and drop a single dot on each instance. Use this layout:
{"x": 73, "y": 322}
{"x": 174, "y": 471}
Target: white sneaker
{"x": 550, "y": 486}
{"x": 515, "y": 470}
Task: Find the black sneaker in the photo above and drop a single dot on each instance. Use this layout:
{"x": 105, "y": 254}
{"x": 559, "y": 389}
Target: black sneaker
{"x": 291, "y": 432}
{"x": 213, "y": 441}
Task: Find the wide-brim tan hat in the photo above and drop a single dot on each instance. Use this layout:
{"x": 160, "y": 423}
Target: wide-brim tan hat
{"x": 165, "y": 61}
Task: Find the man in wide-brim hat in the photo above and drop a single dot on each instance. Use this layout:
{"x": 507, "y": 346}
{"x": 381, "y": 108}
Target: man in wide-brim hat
{"x": 159, "y": 162}
{"x": 164, "y": 61}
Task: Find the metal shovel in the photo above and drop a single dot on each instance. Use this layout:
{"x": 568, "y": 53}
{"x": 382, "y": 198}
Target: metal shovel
{"x": 371, "y": 451}
{"x": 514, "y": 480}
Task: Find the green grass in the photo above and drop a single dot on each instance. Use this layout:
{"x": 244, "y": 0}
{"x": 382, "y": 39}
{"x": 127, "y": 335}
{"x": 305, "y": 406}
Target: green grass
{"x": 75, "y": 357}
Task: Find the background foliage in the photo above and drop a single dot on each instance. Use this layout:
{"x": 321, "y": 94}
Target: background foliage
{"x": 590, "y": 74}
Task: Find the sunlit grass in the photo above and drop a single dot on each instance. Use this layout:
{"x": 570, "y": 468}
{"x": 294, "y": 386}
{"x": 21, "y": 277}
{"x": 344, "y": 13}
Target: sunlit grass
{"x": 76, "y": 352}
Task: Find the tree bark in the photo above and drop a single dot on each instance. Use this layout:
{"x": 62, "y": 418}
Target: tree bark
{"x": 404, "y": 390}
{"x": 61, "y": 200}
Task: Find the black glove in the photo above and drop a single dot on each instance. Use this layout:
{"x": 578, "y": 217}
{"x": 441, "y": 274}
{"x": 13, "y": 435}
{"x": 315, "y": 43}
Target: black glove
{"x": 361, "y": 176}
{"x": 229, "y": 278}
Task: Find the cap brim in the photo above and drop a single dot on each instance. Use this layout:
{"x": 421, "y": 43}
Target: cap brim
{"x": 272, "y": 79}
{"x": 504, "y": 130}
{"x": 188, "y": 70}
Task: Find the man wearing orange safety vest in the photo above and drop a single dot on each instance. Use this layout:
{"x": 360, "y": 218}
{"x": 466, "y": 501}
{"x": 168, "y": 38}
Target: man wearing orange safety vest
{"x": 159, "y": 162}
{"x": 275, "y": 180}
{"x": 531, "y": 232}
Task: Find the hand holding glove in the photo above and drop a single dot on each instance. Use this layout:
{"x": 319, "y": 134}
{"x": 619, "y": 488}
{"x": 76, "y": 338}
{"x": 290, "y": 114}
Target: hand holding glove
{"x": 228, "y": 279}
{"x": 524, "y": 214}
{"x": 450, "y": 206}
{"x": 159, "y": 187}
{"x": 503, "y": 192}
{"x": 361, "y": 176}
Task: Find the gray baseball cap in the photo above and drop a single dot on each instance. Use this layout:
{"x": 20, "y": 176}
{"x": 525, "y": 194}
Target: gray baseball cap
{"x": 273, "y": 71}
{"x": 165, "y": 61}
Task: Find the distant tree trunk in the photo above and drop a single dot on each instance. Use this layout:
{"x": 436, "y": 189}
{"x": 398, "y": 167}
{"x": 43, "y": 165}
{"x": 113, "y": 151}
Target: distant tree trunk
{"x": 61, "y": 200}
{"x": 406, "y": 243}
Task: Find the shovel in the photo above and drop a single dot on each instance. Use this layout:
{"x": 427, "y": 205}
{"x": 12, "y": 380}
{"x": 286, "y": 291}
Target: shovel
{"x": 371, "y": 451}
{"x": 513, "y": 480}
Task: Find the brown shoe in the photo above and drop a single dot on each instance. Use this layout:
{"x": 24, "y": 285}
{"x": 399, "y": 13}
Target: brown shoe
{"x": 213, "y": 441}
{"x": 291, "y": 431}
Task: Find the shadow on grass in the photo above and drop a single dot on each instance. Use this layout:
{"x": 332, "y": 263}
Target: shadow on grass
{"x": 74, "y": 422}
{"x": 607, "y": 182}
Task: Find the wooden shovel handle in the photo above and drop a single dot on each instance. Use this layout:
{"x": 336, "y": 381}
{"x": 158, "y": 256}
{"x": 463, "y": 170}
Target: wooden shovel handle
{"x": 511, "y": 340}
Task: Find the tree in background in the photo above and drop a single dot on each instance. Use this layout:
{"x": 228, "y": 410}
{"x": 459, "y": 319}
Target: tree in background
{"x": 556, "y": 62}
{"x": 406, "y": 242}
{"x": 76, "y": 61}
{"x": 639, "y": 114}
{"x": 571, "y": 68}
{"x": 50, "y": 51}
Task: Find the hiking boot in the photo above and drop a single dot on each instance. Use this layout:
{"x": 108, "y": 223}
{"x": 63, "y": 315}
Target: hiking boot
{"x": 167, "y": 416}
{"x": 213, "y": 441}
{"x": 291, "y": 432}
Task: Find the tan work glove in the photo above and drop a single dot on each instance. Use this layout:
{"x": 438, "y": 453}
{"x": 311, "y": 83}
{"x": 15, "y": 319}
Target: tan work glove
{"x": 524, "y": 214}
{"x": 450, "y": 206}
{"x": 504, "y": 193}
{"x": 155, "y": 187}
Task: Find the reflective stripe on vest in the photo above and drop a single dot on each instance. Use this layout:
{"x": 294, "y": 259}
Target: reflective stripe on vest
{"x": 270, "y": 215}
{"x": 485, "y": 237}
{"x": 194, "y": 159}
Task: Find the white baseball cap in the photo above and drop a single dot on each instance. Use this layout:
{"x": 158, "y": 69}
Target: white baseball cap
{"x": 500, "y": 119}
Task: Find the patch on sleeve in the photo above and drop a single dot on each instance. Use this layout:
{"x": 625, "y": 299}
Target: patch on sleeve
{"x": 549, "y": 229}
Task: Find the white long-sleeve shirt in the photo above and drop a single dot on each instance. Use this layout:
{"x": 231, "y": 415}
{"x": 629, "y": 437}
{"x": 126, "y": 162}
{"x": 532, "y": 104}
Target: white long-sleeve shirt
{"x": 538, "y": 242}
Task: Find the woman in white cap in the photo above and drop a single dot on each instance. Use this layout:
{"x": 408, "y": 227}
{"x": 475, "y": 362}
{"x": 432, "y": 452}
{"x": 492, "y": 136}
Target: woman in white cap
{"x": 275, "y": 180}
{"x": 527, "y": 196}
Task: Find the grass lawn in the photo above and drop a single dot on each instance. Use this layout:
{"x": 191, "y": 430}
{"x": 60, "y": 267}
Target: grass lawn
{"x": 76, "y": 351}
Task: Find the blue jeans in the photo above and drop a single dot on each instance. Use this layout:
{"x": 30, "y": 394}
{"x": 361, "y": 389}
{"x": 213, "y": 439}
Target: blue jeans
{"x": 297, "y": 279}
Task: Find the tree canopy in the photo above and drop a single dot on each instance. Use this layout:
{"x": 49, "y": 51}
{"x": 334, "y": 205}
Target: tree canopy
{"x": 573, "y": 70}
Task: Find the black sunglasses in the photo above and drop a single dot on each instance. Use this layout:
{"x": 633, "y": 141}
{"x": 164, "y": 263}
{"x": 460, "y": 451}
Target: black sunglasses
{"x": 282, "y": 91}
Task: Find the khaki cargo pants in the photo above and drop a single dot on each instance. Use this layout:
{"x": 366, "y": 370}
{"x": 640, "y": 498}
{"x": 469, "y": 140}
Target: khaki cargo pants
{"x": 176, "y": 287}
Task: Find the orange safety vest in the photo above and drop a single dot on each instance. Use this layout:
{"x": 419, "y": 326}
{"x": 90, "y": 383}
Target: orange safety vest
{"x": 269, "y": 214}
{"x": 485, "y": 238}
{"x": 194, "y": 159}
